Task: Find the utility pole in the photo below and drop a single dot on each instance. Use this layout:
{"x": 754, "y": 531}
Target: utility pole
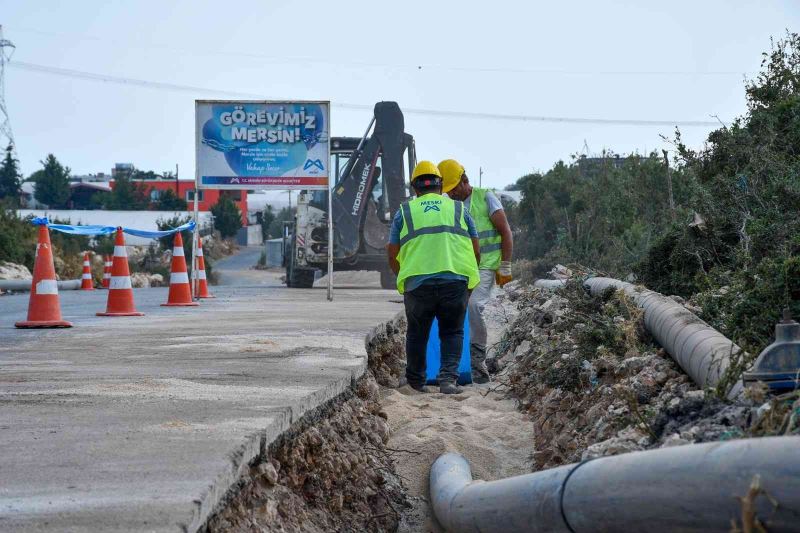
{"x": 7, "y": 49}
{"x": 669, "y": 186}
{"x": 480, "y": 177}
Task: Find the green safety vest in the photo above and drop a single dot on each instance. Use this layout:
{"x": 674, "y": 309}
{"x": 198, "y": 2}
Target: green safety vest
{"x": 488, "y": 236}
{"x": 435, "y": 238}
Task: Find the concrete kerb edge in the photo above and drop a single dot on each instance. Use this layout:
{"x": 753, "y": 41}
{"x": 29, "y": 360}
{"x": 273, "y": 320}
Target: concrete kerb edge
{"x": 256, "y": 445}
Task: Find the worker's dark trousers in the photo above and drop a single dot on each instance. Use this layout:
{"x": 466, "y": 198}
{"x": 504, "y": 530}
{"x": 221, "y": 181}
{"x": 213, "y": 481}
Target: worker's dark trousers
{"x": 447, "y": 302}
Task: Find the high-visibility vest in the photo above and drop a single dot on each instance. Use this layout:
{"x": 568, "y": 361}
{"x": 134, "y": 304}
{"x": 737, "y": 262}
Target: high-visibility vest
{"x": 488, "y": 236}
{"x": 435, "y": 238}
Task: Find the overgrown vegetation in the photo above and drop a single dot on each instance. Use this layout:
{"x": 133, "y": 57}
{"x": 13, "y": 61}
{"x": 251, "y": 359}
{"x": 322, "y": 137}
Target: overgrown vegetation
{"x": 733, "y": 238}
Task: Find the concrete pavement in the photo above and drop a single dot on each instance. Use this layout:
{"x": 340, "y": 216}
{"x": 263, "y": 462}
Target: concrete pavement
{"x": 143, "y": 423}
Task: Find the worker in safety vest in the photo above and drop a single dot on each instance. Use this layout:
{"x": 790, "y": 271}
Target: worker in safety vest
{"x": 433, "y": 249}
{"x": 496, "y": 247}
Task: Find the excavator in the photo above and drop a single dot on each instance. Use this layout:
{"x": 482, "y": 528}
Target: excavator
{"x": 370, "y": 186}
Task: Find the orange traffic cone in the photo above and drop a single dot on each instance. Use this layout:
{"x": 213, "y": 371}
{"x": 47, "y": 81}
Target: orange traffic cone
{"x": 199, "y": 273}
{"x": 120, "y": 293}
{"x": 180, "y": 293}
{"x": 44, "y": 310}
{"x": 87, "y": 284}
{"x": 106, "y": 271}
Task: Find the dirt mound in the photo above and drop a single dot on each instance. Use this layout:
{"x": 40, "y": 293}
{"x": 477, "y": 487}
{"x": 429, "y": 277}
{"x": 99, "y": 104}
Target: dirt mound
{"x": 595, "y": 384}
{"x": 386, "y": 351}
{"x": 332, "y": 472}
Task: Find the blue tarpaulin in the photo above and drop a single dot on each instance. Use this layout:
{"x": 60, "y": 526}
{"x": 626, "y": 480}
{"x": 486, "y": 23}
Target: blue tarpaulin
{"x": 434, "y": 357}
{"x": 107, "y": 230}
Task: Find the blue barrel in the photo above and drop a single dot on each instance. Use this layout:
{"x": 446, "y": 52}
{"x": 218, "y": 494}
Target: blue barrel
{"x": 434, "y": 356}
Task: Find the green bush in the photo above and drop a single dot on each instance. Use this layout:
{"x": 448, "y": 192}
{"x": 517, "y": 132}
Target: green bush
{"x": 17, "y": 237}
{"x": 227, "y": 217}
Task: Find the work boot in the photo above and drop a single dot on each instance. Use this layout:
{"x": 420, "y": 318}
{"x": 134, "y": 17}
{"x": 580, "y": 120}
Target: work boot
{"x": 449, "y": 388}
{"x": 403, "y": 381}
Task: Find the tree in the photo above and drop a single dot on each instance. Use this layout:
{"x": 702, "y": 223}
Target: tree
{"x": 169, "y": 201}
{"x": 227, "y": 217}
{"x": 265, "y": 218}
{"x": 52, "y": 185}
{"x": 10, "y": 186}
{"x": 276, "y": 227}
{"x": 127, "y": 195}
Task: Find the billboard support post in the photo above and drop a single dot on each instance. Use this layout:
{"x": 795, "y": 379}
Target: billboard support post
{"x": 195, "y": 242}
{"x": 330, "y": 234}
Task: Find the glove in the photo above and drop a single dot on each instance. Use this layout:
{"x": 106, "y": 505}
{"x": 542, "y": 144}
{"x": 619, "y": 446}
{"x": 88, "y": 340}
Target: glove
{"x": 503, "y": 274}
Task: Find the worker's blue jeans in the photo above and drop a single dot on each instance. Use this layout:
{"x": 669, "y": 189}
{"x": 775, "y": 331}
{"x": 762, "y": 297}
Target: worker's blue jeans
{"x": 447, "y": 302}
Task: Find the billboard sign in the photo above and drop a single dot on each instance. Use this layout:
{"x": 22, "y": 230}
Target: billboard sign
{"x": 262, "y": 144}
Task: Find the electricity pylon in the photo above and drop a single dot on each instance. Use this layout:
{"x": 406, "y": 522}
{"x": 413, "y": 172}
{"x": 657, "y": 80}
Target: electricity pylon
{"x": 6, "y": 51}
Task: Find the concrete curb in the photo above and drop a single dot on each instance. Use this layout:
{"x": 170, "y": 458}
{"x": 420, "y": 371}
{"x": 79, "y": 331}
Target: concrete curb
{"x": 257, "y": 444}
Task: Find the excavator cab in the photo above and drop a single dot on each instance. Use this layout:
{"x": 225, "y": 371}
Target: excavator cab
{"x": 369, "y": 187}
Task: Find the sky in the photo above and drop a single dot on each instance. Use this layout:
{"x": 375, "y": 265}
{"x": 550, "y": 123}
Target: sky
{"x": 486, "y": 69}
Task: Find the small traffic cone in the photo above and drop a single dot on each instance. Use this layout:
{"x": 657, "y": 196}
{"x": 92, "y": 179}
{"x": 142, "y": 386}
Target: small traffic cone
{"x": 44, "y": 309}
{"x": 106, "y": 272}
{"x": 180, "y": 292}
{"x": 87, "y": 283}
{"x": 120, "y": 293}
{"x": 199, "y": 273}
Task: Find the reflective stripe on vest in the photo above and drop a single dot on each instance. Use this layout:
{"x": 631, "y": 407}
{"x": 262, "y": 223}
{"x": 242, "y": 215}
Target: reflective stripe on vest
{"x": 435, "y": 238}
{"x": 488, "y": 236}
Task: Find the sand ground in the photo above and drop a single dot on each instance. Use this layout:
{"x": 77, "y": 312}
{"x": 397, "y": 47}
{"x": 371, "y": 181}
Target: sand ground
{"x": 482, "y": 425}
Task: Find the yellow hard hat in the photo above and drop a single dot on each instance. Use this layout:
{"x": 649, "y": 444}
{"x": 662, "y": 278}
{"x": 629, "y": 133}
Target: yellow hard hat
{"x": 425, "y": 168}
{"x": 451, "y": 171}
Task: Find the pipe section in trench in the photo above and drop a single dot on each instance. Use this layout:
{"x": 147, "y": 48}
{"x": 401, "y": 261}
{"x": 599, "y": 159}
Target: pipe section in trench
{"x": 689, "y": 488}
{"x": 701, "y": 351}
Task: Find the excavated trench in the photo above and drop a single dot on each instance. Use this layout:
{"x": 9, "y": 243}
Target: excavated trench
{"x": 576, "y": 377}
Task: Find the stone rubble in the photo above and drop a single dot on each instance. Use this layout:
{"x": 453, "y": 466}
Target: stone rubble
{"x": 595, "y": 384}
{"x": 330, "y": 472}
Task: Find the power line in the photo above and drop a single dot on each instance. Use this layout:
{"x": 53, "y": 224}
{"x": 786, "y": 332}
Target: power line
{"x": 407, "y": 66}
{"x": 79, "y": 74}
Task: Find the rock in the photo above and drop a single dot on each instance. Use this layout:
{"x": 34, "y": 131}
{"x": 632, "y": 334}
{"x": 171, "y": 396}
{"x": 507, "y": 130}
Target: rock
{"x": 268, "y": 472}
{"x": 522, "y": 349}
{"x": 674, "y": 440}
{"x": 10, "y": 270}
{"x": 140, "y": 280}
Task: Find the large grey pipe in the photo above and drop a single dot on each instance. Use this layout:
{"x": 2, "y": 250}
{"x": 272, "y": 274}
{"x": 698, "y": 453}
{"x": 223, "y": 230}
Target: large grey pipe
{"x": 25, "y": 284}
{"x": 683, "y": 488}
{"x": 701, "y": 351}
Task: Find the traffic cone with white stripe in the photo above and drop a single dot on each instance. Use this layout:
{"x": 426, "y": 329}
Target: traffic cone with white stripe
{"x": 199, "y": 273}
{"x": 120, "y": 292}
{"x": 44, "y": 309}
{"x": 87, "y": 283}
{"x": 180, "y": 292}
{"x": 106, "y": 272}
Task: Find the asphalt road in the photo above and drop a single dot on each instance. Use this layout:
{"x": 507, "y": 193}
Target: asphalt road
{"x": 143, "y": 423}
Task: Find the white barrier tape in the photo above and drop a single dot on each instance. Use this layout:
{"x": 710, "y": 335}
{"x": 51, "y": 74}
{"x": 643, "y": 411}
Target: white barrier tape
{"x": 47, "y": 286}
{"x": 86, "y": 263}
{"x": 107, "y": 275}
{"x": 178, "y": 277}
{"x": 86, "y": 276}
{"x": 199, "y": 274}
{"x": 200, "y": 252}
{"x": 119, "y": 251}
{"x": 120, "y": 282}
{"x": 177, "y": 251}
{"x": 108, "y": 264}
